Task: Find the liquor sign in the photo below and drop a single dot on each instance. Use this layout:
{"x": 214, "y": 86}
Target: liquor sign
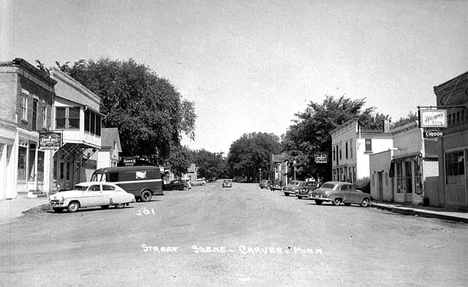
{"x": 50, "y": 140}
{"x": 321, "y": 158}
{"x": 129, "y": 161}
{"x": 433, "y": 134}
{"x": 433, "y": 118}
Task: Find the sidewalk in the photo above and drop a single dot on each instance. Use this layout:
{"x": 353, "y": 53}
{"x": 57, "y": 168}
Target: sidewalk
{"x": 423, "y": 211}
{"x": 11, "y": 209}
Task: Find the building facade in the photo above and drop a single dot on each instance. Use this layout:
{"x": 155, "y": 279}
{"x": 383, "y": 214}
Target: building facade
{"x": 78, "y": 120}
{"x": 27, "y": 96}
{"x": 404, "y": 173}
{"x": 108, "y": 155}
{"x": 351, "y": 147}
{"x": 453, "y": 150}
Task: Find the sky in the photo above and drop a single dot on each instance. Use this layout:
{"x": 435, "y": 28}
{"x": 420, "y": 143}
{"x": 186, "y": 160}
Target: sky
{"x": 250, "y": 65}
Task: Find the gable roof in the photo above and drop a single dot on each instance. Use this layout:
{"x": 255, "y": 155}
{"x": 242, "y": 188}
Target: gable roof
{"x": 109, "y": 136}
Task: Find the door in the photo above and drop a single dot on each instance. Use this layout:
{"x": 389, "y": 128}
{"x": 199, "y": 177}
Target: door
{"x": 380, "y": 185}
{"x": 93, "y": 196}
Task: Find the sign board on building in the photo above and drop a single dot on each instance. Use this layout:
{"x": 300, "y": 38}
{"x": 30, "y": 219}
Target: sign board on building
{"x": 433, "y": 134}
{"x": 321, "y": 158}
{"x": 129, "y": 161}
{"x": 432, "y": 118}
{"x": 50, "y": 140}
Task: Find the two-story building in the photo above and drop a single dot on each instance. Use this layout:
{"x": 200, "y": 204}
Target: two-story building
{"x": 453, "y": 150}
{"x": 27, "y": 96}
{"x": 78, "y": 120}
{"x": 351, "y": 147}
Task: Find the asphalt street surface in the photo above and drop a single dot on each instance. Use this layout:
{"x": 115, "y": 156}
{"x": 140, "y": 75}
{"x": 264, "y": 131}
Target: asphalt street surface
{"x": 239, "y": 236}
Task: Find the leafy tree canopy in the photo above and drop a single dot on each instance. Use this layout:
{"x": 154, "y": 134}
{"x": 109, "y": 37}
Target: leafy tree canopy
{"x": 310, "y": 133}
{"x": 251, "y": 153}
{"x": 210, "y": 165}
{"x": 411, "y": 117}
{"x": 147, "y": 109}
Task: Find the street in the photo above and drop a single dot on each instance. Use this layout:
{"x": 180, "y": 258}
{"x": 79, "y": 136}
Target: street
{"x": 239, "y": 236}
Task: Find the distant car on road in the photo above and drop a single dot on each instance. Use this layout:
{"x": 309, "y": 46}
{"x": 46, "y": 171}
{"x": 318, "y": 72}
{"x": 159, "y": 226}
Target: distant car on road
{"x": 264, "y": 183}
{"x": 293, "y": 187}
{"x": 176, "y": 184}
{"x": 338, "y": 192}
{"x": 89, "y": 194}
{"x": 309, "y": 186}
{"x": 200, "y": 181}
{"x": 227, "y": 183}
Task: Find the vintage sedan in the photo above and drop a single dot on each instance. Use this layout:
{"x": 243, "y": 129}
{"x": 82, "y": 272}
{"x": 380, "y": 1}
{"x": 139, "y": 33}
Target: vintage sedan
{"x": 338, "y": 192}
{"x": 307, "y": 188}
{"x": 88, "y": 194}
{"x": 264, "y": 183}
{"x": 293, "y": 187}
{"x": 227, "y": 183}
{"x": 275, "y": 185}
{"x": 176, "y": 184}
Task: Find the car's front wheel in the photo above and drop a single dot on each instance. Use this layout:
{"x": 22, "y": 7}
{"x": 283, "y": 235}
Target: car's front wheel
{"x": 365, "y": 202}
{"x": 336, "y": 201}
{"x": 146, "y": 196}
{"x": 73, "y": 206}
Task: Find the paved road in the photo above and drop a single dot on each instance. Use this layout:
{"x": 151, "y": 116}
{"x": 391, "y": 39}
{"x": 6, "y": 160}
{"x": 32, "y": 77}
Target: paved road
{"x": 243, "y": 236}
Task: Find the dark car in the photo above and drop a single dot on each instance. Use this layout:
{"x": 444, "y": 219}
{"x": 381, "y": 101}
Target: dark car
{"x": 177, "y": 184}
{"x": 293, "y": 187}
{"x": 338, "y": 192}
{"x": 307, "y": 188}
{"x": 227, "y": 183}
{"x": 275, "y": 185}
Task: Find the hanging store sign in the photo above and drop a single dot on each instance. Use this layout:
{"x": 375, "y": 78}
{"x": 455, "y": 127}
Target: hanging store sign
{"x": 50, "y": 140}
{"x": 321, "y": 158}
{"x": 433, "y": 134}
{"x": 433, "y": 118}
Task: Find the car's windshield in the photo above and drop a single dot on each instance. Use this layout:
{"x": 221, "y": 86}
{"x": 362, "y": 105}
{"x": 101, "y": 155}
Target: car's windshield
{"x": 328, "y": 185}
{"x": 80, "y": 187}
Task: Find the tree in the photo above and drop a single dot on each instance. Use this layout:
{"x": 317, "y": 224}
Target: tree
{"x": 149, "y": 112}
{"x": 251, "y": 154}
{"x": 210, "y": 165}
{"x": 310, "y": 133}
{"x": 411, "y": 117}
{"x": 180, "y": 159}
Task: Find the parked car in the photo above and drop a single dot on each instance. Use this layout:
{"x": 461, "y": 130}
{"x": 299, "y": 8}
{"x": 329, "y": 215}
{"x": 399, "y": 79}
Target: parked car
{"x": 307, "y": 188}
{"x": 200, "y": 181}
{"x": 176, "y": 184}
{"x": 338, "y": 192}
{"x": 227, "y": 183}
{"x": 88, "y": 194}
{"x": 293, "y": 187}
{"x": 275, "y": 185}
{"x": 264, "y": 183}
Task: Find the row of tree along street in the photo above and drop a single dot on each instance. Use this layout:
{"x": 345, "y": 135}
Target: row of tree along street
{"x": 152, "y": 117}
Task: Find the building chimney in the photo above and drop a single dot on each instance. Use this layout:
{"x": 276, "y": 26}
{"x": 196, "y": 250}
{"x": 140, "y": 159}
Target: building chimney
{"x": 386, "y": 126}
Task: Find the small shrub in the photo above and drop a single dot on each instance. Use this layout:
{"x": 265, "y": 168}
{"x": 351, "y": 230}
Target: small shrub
{"x": 363, "y": 184}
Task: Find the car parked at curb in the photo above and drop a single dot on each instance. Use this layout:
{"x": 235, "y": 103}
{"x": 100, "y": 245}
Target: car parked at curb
{"x": 89, "y": 194}
{"x": 176, "y": 184}
{"x": 338, "y": 192}
{"x": 308, "y": 186}
{"x": 275, "y": 185}
{"x": 264, "y": 183}
{"x": 293, "y": 187}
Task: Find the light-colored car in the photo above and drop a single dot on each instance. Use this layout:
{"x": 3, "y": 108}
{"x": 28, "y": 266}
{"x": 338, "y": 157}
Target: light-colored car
{"x": 338, "y": 192}
{"x": 293, "y": 187}
{"x": 227, "y": 183}
{"x": 88, "y": 194}
{"x": 200, "y": 181}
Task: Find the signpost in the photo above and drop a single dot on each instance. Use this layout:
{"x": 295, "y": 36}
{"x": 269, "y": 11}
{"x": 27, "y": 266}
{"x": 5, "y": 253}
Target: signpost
{"x": 321, "y": 157}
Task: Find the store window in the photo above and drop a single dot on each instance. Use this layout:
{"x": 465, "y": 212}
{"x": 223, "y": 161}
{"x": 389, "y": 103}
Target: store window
{"x": 455, "y": 167}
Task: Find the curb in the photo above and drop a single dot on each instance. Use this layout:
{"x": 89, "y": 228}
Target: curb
{"x": 36, "y": 208}
{"x": 420, "y": 213}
